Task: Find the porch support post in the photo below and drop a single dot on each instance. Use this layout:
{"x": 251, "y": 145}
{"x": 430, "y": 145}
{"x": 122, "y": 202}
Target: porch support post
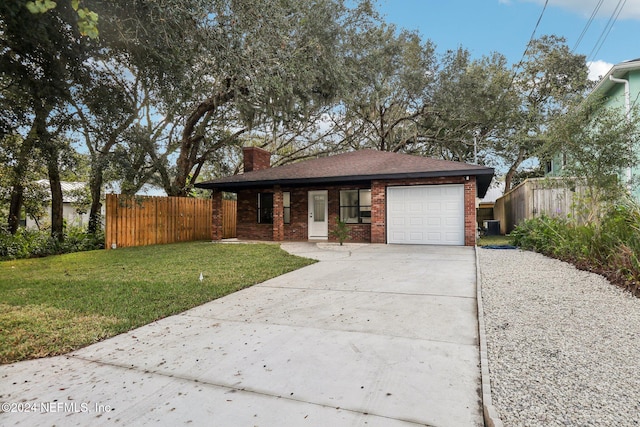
{"x": 470, "y": 224}
{"x": 278, "y": 214}
{"x": 216, "y": 216}
{"x": 378, "y": 212}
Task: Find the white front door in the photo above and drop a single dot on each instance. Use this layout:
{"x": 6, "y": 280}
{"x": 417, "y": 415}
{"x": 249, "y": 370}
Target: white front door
{"x": 318, "y": 213}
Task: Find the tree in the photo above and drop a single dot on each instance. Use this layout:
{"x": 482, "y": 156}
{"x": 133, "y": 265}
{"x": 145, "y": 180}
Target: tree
{"x": 597, "y": 141}
{"x": 393, "y": 73}
{"x": 42, "y": 56}
{"x": 313, "y": 135}
{"x": 550, "y": 78}
{"x": 268, "y": 60}
{"x": 34, "y": 195}
{"x": 106, "y": 107}
{"x": 472, "y": 105}
{"x": 140, "y": 74}
{"x": 214, "y": 69}
{"x": 87, "y": 20}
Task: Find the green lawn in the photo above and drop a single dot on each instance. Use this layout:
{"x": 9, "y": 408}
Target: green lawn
{"x": 57, "y": 304}
{"x": 494, "y": 240}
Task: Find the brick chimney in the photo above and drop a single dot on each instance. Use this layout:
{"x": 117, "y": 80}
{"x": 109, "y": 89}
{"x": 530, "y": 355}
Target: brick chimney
{"x": 256, "y": 159}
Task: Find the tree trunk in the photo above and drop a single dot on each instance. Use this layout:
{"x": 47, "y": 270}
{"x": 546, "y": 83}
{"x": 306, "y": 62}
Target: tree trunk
{"x": 57, "y": 219}
{"x": 190, "y": 141}
{"x": 99, "y": 162}
{"x": 508, "y": 178}
{"x": 95, "y": 188}
{"x": 38, "y": 129}
{"x": 19, "y": 174}
{"x": 15, "y": 206}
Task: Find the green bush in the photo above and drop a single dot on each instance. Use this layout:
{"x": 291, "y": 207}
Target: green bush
{"x": 609, "y": 247}
{"x": 341, "y": 232}
{"x": 30, "y": 243}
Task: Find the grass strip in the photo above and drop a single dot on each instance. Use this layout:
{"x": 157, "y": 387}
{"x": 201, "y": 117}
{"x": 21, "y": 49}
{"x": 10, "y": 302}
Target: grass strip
{"x": 494, "y": 240}
{"x": 57, "y": 304}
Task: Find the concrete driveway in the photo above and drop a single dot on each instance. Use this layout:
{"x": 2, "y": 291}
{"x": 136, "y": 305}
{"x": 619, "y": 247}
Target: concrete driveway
{"x": 375, "y": 335}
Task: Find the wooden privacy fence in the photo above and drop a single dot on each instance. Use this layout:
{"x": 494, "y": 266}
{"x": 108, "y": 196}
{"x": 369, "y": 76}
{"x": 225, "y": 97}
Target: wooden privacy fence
{"x": 140, "y": 221}
{"x": 552, "y": 197}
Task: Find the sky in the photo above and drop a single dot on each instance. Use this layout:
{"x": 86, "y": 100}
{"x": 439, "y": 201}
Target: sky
{"x": 505, "y": 26}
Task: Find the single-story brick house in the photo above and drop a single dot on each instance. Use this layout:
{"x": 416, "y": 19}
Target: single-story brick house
{"x": 383, "y": 197}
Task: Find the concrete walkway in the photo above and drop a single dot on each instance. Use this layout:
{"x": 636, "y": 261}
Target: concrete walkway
{"x": 375, "y": 335}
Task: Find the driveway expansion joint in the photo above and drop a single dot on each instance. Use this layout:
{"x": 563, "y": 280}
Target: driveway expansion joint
{"x": 249, "y": 390}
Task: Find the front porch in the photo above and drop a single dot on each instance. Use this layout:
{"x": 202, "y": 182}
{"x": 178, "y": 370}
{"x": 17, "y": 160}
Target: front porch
{"x": 289, "y": 214}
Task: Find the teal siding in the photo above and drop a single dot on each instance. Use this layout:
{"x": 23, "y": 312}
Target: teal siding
{"x": 634, "y": 89}
{"x": 614, "y": 98}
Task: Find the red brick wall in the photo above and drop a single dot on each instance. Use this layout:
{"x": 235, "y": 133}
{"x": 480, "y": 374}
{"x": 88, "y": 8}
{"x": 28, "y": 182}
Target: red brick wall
{"x": 379, "y": 233}
{"x": 378, "y": 212}
{"x": 278, "y": 215}
{"x": 249, "y": 229}
{"x": 216, "y": 217}
{"x": 297, "y": 229}
{"x": 255, "y": 159}
{"x": 470, "y": 224}
{"x": 357, "y": 232}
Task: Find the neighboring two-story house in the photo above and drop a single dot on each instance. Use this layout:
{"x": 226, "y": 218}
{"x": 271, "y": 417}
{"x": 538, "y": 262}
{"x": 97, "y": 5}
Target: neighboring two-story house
{"x": 620, "y": 88}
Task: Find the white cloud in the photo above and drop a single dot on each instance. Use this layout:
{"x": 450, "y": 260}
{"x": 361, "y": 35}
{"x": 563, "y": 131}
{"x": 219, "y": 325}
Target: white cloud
{"x": 631, "y": 9}
{"x": 597, "y": 69}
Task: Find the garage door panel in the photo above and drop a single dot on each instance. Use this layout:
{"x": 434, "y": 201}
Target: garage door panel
{"x": 429, "y": 214}
{"x": 416, "y": 237}
{"x": 452, "y": 222}
{"x": 399, "y": 236}
{"x": 399, "y": 221}
{"x": 435, "y": 237}
{"x": 398, "y": 207}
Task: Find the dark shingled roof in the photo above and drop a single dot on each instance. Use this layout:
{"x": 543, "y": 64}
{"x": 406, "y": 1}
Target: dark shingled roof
{"x": 355, "y": 166}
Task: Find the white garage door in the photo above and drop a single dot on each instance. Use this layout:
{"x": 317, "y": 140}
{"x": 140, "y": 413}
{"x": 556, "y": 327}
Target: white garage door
{"x": 427, "y": 215}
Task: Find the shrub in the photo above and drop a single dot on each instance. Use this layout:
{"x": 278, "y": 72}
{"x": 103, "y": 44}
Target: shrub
{"x": 341, "y": 232}
{"x": 30, "y": 243}
{"x": 609, "y": 247}
{"x": 77, "y": 239}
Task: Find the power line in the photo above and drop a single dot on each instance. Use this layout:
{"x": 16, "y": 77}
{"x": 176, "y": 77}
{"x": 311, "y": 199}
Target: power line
{"x": 588, "y": 24}
{"x": 607, "y": 29}
{"x": 524, "y": 55}
{"x": 533, "y": 34}
{"x": 526, "y": 50}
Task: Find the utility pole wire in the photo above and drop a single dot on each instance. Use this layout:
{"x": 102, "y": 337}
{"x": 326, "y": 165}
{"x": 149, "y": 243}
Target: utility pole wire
{"x": 519, "y": 65}
{"x": 607, "y": 29}
{"x": 588, "y": 24}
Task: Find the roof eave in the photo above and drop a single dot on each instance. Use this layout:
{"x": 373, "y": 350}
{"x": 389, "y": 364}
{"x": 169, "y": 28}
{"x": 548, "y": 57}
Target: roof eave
{"x": 617, "y": 71}
{"x": 484, "y": 178}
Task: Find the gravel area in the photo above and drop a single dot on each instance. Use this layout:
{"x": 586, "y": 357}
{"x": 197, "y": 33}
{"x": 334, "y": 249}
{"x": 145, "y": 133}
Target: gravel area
{"x": 563, "y": 344}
